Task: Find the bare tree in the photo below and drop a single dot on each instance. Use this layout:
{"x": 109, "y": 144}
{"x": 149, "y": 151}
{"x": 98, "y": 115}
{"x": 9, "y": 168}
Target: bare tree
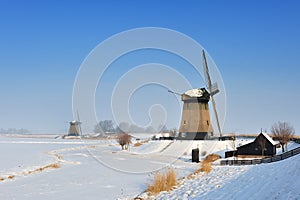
{"x": 106, "y": 126}
{"x": 283, "y": 132}
{"x": 124, "y": 139}
{"x": 232, "y": 143}
{"x": 262, "y": 144}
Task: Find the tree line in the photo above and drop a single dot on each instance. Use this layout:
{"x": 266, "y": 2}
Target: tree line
{"x": 14, "y": 131}
{"x": 108, "y": 127}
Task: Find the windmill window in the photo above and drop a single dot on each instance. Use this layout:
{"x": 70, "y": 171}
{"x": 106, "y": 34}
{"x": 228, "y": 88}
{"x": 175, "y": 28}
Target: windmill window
{"x": 207, "y": 123}
{"x": 184, "y": 122}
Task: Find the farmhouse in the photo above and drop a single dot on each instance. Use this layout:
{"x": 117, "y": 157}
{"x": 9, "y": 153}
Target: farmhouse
{"x": 263, "y": 145}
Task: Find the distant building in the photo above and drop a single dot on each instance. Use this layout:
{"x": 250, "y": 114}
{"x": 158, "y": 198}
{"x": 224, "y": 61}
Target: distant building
{"x": 74, "y": 128}
{"x": 263, "y": 145}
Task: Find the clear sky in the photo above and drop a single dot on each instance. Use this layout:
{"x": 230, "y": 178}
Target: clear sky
{"x": 255, "y": 44}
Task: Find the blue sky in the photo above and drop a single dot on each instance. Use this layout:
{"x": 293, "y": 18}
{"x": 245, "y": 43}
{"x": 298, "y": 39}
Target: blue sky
{"x": 255, "y": 45}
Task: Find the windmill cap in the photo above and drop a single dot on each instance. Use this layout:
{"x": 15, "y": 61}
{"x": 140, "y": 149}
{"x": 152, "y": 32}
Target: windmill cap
{"x": 75, "y": 122}
{"x": 195, "y": 92}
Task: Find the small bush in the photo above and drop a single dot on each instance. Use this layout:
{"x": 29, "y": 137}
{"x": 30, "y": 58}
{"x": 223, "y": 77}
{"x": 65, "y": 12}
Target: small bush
{"x": 124, "y": 140}
{"x": 203, "y": 153}
{"x": 163, "y": 182}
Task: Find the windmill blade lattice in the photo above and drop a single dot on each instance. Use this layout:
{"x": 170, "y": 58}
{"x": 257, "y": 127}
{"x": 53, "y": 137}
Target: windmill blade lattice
{"x": 213, "y": 90}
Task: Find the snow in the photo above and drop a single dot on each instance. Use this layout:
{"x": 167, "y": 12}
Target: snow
{"x": 290, "y": 146}
{"x": 204, "y": 184}
{"x": 265, "y": 181}
{"x": 98, "y": 169}
{"x": 142, "y": 136}
{"x": 269, "y": 138}
{"x": 194, "y": 93}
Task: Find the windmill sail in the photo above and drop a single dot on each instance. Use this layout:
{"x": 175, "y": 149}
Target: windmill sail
{"x": 213, "y": 90}
{"x": 79, "y": 123}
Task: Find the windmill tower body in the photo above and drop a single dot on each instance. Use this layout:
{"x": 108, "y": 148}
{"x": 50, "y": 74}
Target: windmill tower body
{"x": 74, "y": 128}
{"x": 195, "y": 121}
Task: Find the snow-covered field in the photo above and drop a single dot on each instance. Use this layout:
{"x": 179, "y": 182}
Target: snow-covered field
{"x": 266, "y": 181}
{"x": 98, "y": 169}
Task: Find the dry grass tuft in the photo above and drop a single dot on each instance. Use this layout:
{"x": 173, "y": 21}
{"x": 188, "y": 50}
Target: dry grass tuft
{"x": 163, "y": 182}
{"x": 206, "y": 163}
{"x": 205, "y": 167}
{"x": 11, "y": 177}
{"x": 212, "y": 158}
{"x": 171, "y": 178}
{"x": 54, "y": 166}
{"x": 137, "y": 144}
{"x": 40, "y": 169}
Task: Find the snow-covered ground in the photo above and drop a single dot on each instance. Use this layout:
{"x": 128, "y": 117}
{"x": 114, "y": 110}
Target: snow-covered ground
{"x": 277, "y": 180}
{"x": 98, "y": 169}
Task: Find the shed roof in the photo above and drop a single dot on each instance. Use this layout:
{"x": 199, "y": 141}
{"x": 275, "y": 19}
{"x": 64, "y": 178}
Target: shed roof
{"x": 269, "y": 138}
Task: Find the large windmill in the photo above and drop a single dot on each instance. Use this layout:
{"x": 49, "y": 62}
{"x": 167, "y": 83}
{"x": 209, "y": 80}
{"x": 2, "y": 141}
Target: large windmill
{"x": 195, "y": 120}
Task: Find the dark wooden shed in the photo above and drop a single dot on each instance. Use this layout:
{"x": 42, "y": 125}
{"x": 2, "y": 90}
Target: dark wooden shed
{"x": 263, "y": 145}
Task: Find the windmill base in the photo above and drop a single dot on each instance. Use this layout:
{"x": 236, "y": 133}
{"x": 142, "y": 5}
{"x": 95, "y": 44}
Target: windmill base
{"x": 73, "y": 134}
{"x": 194, "y": 136}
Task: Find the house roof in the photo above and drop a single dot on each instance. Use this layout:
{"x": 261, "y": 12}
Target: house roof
{"x": 269, "y": 138}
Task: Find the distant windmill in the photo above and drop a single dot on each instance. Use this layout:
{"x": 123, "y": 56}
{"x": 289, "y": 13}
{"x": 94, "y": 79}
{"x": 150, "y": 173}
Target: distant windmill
{"x": 195, "y": 121}
{"x": 75, "y": 127}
